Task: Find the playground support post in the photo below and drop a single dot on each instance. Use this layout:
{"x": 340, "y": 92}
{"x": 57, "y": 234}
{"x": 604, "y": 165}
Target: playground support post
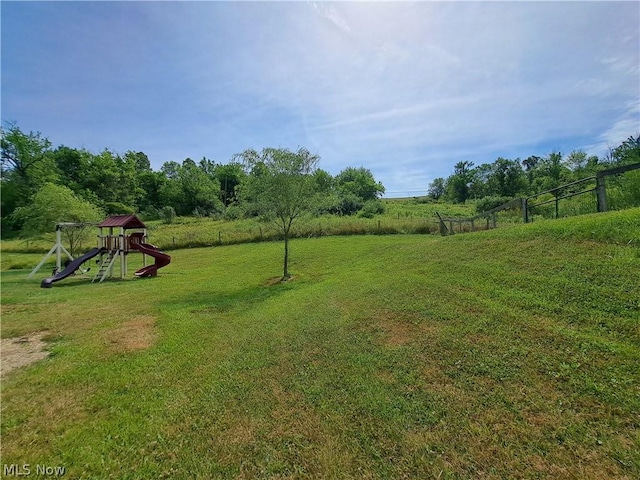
{"x": 58, "y": 248}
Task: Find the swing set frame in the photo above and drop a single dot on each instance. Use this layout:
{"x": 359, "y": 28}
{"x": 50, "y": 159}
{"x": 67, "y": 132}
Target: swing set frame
{"x": 58, "y": 249}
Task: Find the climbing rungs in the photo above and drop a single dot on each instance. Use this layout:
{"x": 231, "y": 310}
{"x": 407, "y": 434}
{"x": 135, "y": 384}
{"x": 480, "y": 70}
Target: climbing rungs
{"x": 105, "y": 267}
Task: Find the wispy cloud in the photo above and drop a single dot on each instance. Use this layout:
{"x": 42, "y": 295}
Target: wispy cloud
{"x": 329, "y": 12}
{"x": 406, "y": 89}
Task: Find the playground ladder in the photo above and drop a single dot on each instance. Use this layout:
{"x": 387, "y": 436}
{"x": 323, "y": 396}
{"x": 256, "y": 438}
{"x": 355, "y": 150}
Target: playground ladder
{"x": 106, "y": 265}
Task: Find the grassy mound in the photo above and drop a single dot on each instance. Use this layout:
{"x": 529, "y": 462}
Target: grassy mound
{"x": 510, "y": 353}
{"x": 622, "y": 227}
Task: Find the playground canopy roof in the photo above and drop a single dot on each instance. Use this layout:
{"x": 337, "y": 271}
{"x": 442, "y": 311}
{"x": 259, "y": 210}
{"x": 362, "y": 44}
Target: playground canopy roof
{"x": 124, "y": 221}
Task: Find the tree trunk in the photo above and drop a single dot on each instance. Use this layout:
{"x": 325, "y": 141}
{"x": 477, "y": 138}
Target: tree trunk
{"x": 285, "y": 274}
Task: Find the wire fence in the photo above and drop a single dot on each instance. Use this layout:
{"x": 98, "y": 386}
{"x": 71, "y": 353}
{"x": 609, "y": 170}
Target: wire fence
{"x": 613, "y": 189}
{"x": 575, "y": 198}
{"x": 509, "y": 212}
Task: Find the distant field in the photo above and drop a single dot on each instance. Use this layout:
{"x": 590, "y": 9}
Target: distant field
{"x": 401, "y": 216}
{"x": 511, "y": 353}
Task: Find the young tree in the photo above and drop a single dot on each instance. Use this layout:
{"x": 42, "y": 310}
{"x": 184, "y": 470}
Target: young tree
{"x": 437, "y": 188}
{"x": 282, "y": 186}
{"x": 550, "y": 173}
{"x": 55, "y": 204}
{"x": 576, "y": 161}
{"x": 529, "y": 164}
{"x": 459, "y": 183}
{"x": 507, "y": 178}
{"x": 479, "y": 185}
{"x": 230, "y": 176}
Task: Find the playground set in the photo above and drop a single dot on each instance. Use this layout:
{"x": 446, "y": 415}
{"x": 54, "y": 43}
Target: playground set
{"x": 114, "y": 243}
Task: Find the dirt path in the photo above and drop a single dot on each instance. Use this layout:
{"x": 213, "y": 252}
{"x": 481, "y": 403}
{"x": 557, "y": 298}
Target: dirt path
{"x": 21, "y": 351}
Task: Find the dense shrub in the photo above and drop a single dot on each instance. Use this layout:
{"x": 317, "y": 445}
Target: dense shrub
{"x": 151, "y": 213}
{"x": 168, "y": 215}
{"x": 328, "y": 203}
{"x": 623, "y": 191}
{"x": 371, "y": 208}
{"x": 117, "y": 208}
{"x": 350, "y": 204}
{"x": 233, "y": 212}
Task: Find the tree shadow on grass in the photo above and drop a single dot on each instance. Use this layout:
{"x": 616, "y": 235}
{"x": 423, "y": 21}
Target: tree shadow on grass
{"x": 240, "y": 300}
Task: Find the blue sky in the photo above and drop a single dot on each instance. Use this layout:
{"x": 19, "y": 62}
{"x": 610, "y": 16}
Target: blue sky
{"x": 404, "y": 89}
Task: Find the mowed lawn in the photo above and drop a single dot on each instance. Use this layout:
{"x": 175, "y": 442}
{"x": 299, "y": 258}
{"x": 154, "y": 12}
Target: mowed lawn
{"x": 512, "y": 353}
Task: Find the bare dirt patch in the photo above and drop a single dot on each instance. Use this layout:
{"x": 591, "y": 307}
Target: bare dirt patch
{"x": 279, "y": 280}
{"x": 139, "y": 333}
{"x": 21, "y": 351}
{"x": 401, "y": 329}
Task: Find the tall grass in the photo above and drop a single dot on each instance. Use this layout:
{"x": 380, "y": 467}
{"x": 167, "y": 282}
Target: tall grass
{"x": 402, "y": 216}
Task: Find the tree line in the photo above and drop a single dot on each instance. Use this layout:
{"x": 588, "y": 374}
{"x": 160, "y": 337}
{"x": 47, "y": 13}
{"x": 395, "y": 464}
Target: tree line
{"x": 492, "y": 184}
{"x": 42, "y": 184}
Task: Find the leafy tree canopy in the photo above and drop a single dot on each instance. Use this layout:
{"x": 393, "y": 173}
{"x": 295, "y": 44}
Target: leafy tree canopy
{"x": 437, "y": 188}
{"x": 54, "y": 204}
{"x": 283, "y": 187}
{"x": 359, "y": 182}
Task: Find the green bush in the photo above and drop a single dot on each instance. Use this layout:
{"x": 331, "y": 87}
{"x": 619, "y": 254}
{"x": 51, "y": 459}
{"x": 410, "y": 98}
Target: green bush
{"x": 327, "y": 204}
{"x": 350, "y": 204}
{"x": 168, "y": 215}
{"x": 151, "y": 213}
{"x": 371, "y": 208}
{"x": 233, "y": 212}
{"x": 624, "y": 191}
{"x": 117, "y": 208}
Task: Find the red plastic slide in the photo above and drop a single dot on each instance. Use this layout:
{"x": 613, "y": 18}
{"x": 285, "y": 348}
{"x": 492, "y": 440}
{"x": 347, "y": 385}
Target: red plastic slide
{"x": 162, "y": 259}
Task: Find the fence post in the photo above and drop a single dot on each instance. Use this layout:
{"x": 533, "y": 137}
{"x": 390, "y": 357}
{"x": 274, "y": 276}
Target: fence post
{"x": 525, "y": 210}
{"x": 443, "y": 228}
{"x": 601, "y": 193}
{"x": 473, "y": 227}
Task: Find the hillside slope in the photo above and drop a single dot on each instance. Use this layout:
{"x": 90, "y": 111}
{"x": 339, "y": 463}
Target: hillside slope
{"x": 510, "y": 353}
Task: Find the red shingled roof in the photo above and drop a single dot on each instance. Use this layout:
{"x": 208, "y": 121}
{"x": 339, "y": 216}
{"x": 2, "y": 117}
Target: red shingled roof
{"x": 124, "y": 221}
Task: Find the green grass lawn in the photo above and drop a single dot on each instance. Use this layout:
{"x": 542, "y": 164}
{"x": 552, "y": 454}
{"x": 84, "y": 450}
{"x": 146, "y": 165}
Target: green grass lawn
{"x": 510, "y": 353}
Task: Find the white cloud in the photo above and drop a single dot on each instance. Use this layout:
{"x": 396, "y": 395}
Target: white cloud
{"x": 405, "y": 88}
{"x": 331, "y": 13}
{"x": 627, "y": 124}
